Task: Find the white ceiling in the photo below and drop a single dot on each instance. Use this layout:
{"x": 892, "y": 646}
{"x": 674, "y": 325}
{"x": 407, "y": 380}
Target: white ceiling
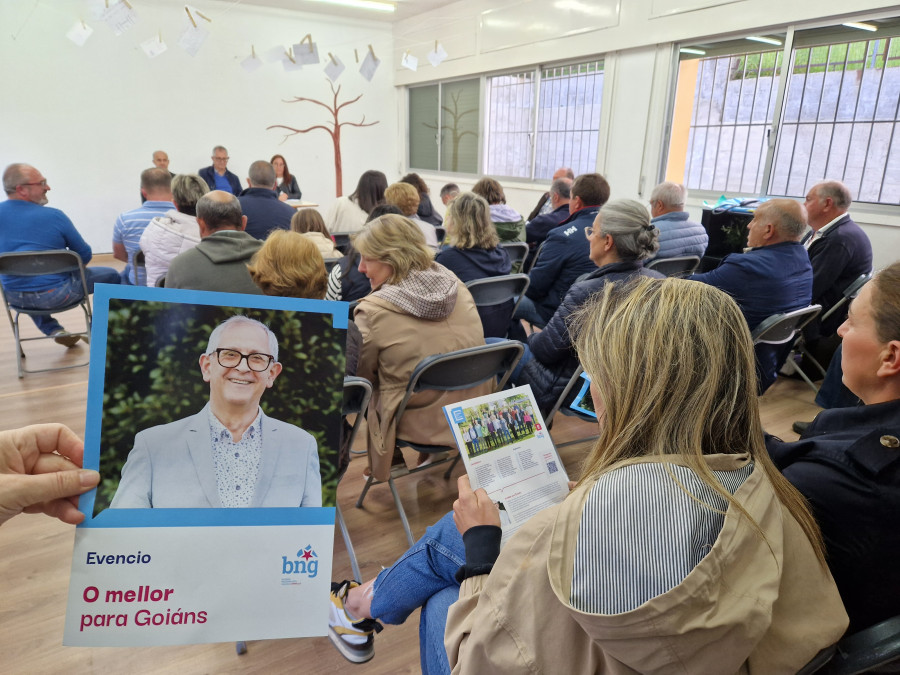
{"x": 405, "y": 8}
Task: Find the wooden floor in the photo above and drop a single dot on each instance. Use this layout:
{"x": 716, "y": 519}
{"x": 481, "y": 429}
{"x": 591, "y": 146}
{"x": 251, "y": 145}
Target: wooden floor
{"x": 35, "y": 552}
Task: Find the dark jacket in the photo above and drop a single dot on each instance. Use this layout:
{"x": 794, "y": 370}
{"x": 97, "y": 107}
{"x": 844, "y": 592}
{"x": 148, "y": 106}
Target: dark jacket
{"x": 292, "y": 189}
{"x": 208, "y": 174}
{"x": 838, "y": 258}
{"x": 217, "y": 263}
{"x": 848, "y": 466}
{"x": 426, "y": 211}
{"x": 764, "y": 281}
{"x": 264, "y": 212}
{"x": 564, "y": 258}
{"x": 537, "y": 229}
{"x": 354, "y": 284}
{"x": 554, "y": 359}
{"x": 679, "y": 236}
{"x": 478, "y": 263}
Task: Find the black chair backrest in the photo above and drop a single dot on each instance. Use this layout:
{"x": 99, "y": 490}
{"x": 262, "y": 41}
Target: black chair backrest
{"x": 537, "y": 254}
{"x": 463, "y": 369}
{"x": 330, "y": 263}
{"x": 869, "y": 650}
{"x": 138, "y": 264}
{"x": 781, "y": 328}
{"x": 517, "y": 251}
{"x": 441, "y": 233}
{"x": 852, "y": 290}
{"x": 496, "y": 299}
{"x": 341, "y": 241}
{"x": 39, "y": 263}
{"x": 675, "y": 267}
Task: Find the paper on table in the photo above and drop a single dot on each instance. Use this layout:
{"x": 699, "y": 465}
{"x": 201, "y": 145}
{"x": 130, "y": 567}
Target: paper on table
{"x": 369, "y": 66}
{"x": 334, "y": 68}
{"x": 409, "y": 61}
{"x": 154, "y": 47}
{"x": 120, "y": 17}
{"x": 192, "y": 39}
{"x": 306, "y": 53}
{"x": 437, "y": 55}
{"x": 79, "y": 33}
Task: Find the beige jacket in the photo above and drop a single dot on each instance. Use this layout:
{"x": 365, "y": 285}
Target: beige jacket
{"x": 324, "y": 244}
{"x": 742, "y": 609}
{"x": 395, "y": 337}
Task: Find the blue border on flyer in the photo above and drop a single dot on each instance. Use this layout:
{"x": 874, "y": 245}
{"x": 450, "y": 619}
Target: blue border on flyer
{"x": 117, "y": 518}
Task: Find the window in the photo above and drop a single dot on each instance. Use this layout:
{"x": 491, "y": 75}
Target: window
{"x": 839, "y": 114}
{"x": 443, "y": 126}
{"x": 535, "y": 121}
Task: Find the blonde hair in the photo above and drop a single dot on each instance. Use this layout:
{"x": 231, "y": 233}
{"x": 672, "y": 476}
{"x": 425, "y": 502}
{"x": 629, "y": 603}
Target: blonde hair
{"x": 396, "y": 241}
{"x": 309, "y": 220}
{"x": 289, "y": 265}
{"x": 673, "y": 365}
{"x": 404, "y": 196}
{"x": 469, "y": 222}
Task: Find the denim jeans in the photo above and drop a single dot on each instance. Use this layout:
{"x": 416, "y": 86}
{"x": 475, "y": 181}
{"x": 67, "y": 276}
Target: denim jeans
{"x": 62, "y": 295}
{"x": 424, "y": 577}
{"x": 833, "y": 393}
{"x": 527, "y": 355}
{"x": 528, "y": 310}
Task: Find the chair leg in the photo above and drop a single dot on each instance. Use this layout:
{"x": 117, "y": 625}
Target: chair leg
{"x": 362, "y": 495}
{"x": 401, "y": 511}
{"x": 449, "y": 471}
{"x": 793, "y": 366}
{"x": 354, "y": 564}
{"x": 20, "y": 353}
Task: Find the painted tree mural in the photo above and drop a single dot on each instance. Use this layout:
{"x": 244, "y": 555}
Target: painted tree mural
{"x": 454, "y": 123}
{"x": 333, "y": 127}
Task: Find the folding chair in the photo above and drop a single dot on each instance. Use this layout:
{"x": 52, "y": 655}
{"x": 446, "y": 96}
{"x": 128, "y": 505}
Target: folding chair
{"x": 675, "y": 267}
{"x": 35, "y": 264}
{"x": 441, "y": 233}
{"x": 537, "y": 254}
{"x": 454, "y": 371}
{"x": 139, "y": 268}
{"x": 357, "y": 393}
{"x": 518, "y": 251}
{"x": 780, "y": 329}
{"x": 496, "y": 299}
{"x": 341, "y": 241}
{"x": 874, "y": 649}
{"x": 330, "y": 263}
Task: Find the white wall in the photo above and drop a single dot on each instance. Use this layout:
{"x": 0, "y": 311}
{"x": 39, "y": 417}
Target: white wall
{"x": 90, "y": 117}
{"x": 639, "y": 50}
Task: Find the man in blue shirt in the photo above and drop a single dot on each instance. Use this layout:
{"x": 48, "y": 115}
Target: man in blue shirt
{"x": 217, "y": 176}
{"x": 27, "y": 225}
{"x": 260, "y": 203}
{"x": 771, "y": 277}
{"x": 678, "y": 235}
{"x": 156, "y": 187}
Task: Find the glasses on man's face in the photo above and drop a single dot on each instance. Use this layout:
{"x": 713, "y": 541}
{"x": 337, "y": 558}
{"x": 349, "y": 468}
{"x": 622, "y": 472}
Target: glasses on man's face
{"x": 231, "y": 358}
{"x": 220, "y": 159}
{"x": 42, "y": 183}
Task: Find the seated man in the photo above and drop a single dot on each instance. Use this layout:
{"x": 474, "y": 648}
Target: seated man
{"x": 217, "y": 176}
{"x": 773, "y": 276}
{"x": 847, "y": 462}
{"x": 260, "y": 204}
{"x": 566, "y": 254}
{"x": 537, "y": 229}
{"x": 678, "y": 235}
{"x": 219, "y": 261}
{"x": 544, "y": 206}
{"x": 27, "y": 225}
{"x": 230, "y": 454}
{"x": 156, "y": 187}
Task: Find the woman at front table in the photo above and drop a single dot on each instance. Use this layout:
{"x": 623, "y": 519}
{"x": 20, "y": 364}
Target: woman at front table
{"x": 288, "y": 188}
{"x": 682, "y": 548}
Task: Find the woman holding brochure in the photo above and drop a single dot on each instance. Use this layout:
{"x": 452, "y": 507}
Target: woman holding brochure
{"x": 681, "y": 549}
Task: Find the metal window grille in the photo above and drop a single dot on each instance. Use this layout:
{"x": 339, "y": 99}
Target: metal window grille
{"x": 734, "y": 103}
{"x": 840, "y": 120}
{"x": 509, "y": 124}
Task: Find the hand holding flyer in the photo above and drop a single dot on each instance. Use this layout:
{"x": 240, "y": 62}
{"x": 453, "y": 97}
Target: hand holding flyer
{"x": 508, "y": 452}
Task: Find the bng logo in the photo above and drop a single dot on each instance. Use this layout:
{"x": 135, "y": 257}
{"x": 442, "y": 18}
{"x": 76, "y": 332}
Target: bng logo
{"x": 305, "y": 564}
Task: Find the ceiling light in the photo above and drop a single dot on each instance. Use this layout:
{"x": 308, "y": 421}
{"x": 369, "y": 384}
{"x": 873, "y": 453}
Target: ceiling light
{"x": 360, "y": 4}
{"x": 692, "y": 50}
{"x": 767, "y": 40}
{"x": 861, "y": 26}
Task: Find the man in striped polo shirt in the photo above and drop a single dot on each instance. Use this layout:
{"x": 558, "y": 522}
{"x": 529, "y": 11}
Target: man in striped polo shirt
{"x": 156, "y": 187}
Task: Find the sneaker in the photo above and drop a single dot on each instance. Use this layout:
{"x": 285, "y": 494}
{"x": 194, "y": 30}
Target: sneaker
{"x": 800, "y": 427}
{"x": 61, "y": 337}
{"x": 355, "y": 640}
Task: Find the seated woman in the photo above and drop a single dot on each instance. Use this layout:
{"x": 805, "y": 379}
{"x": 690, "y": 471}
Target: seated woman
{"x": 681, "y": 549}
{"x": 310, "y": 224}
{"x": 405, "y": 197}
{"x": 416, "y": 308}
{"x": 348, "y": 214}
{"x": 289, "y": 265}
{"x": 287, "y": 185}
{"x": 621, "y": 239}
{"x": 177, "y": 231}
{"x": 426, "y": 210}
{"x": 345, "y": 281}
{"x": 847, "y": 462}
{"x": 509, "y": 223}
{"x": 474, "y": 252}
